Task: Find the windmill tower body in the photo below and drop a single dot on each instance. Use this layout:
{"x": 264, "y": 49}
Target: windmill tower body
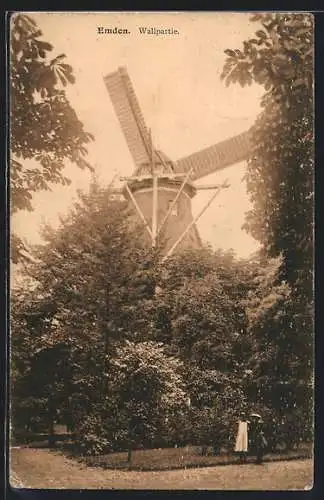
{"x": 161, "y": 190}
{"x": 180, "y": 216}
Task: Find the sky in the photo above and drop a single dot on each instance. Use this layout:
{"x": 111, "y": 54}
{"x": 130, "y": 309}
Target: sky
{"x": 177, "y": 82}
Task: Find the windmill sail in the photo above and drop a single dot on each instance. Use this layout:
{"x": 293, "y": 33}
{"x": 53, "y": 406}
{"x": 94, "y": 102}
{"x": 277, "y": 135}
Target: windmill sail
{"x": 129, "y": 114}
{"x": 216, "y": 157}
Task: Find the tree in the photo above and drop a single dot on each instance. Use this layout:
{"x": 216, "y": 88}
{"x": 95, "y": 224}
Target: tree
{"x": 280, "y": 181}
{"x": 202, "y": 301}
{"x": 149, "y": 388}
{"x": 203, "y": 326}
{"x": 36, "y": 402}
{"x": 89, "y": 280}
{"x": 200, "y": 315}
{"x": 215, "y": 424}
{"x": 43, "y": 125}
{"x": 281, "y": 354}
{"x": 280, "y": 173}
{"x": 96, "y": 267}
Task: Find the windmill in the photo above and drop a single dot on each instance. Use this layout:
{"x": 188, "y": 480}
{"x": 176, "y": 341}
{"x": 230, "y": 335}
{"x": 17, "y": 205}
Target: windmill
{"x": 160, "y": 189}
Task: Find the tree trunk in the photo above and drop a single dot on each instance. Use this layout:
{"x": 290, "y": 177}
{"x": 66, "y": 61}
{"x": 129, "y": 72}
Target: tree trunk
{"x": 129, "y": 456}
{"x": 51, "y": 434}
{"x": 204, "y": 450}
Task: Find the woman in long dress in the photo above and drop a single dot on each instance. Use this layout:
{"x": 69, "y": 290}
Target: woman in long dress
{"x": 241, "y": 443}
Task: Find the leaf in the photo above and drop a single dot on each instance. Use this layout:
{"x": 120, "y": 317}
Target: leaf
{"x": 239, "y": 53}
{"x": 256, "y": 17}
{"x": 45, "y": 46}
{"x": 230, "y": 53}
{"x": 261, "y": 34}
{"x": 57, "y": 59}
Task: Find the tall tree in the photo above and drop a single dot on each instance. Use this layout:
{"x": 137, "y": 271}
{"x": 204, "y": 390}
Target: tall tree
{"x": 90, "y": 279}
{"x": 280, "y": 172}
{"x": 280, "y": 363}
{"x": 200, "y": 314}
{"x": 280, "y": 181}
{"x": 43, "y": 125}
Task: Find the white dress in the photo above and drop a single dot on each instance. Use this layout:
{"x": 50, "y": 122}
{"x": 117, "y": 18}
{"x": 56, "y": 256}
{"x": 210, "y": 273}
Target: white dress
{"x": 241, "y": 443}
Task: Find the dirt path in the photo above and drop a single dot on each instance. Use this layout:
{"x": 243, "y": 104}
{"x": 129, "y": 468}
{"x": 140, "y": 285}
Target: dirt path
{"x": 38, "y": 468}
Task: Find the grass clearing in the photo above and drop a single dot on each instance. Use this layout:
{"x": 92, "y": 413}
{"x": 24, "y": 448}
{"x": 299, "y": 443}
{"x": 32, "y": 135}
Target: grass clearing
{"x": 42, "y": 468}
{"x": 160, "y": 459}
{"x": 169, "y": 458}
{"x": 179, "y": 458}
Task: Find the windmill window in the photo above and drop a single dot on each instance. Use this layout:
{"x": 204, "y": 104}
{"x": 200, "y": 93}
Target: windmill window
{"x": 174, "y": 210}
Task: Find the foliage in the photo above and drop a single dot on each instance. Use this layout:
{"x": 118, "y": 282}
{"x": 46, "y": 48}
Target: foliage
{"x": 43, "y": 125}
{"x": 201, "y": 317}
{"x": 90, "y": 268}
{"x": 280, "y": 175}
{"x": 214, "y": 424}
{"x": 201, "y": 310}
{"x": 281, "y": 360}
{"x": 203, "y": 325}
{"x": 143, "y": 386}
{"x": 92, "y": 437}
{"x": 149, "y": 389}
{"x": 280, "y": 181}
{"x": 122, "y": 358}
{"x": 86, "y": 290}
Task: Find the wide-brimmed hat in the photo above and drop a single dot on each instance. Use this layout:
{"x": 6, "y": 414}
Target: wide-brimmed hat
{"x": 257, "y": 415}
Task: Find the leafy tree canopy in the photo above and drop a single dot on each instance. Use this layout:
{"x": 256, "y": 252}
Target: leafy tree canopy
{"x": 280, "y": 172}
{"x": 43, "y": 125}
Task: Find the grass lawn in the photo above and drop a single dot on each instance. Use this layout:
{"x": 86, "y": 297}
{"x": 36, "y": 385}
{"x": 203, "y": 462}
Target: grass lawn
{"x": 42, "y": 468}
{"x": 179, "y": 458}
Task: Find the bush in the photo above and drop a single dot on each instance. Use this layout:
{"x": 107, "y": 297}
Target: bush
{"x": 91, "y": 438}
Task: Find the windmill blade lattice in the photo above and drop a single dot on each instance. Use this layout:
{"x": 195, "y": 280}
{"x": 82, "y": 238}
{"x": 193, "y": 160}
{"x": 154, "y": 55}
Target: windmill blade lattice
{"x": 130, "y": 116}
{"x": 217, "y": 157}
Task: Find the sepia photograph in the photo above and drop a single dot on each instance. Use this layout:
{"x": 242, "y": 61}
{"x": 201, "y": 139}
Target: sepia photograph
{"x": 161, "y": 177}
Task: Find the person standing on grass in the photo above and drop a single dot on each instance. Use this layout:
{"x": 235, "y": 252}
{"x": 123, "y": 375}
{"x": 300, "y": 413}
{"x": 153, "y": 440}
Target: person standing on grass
{"x": 261, "y": 443}
{"x": 258, "y": 440}
{"x": 241, "y": 443}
